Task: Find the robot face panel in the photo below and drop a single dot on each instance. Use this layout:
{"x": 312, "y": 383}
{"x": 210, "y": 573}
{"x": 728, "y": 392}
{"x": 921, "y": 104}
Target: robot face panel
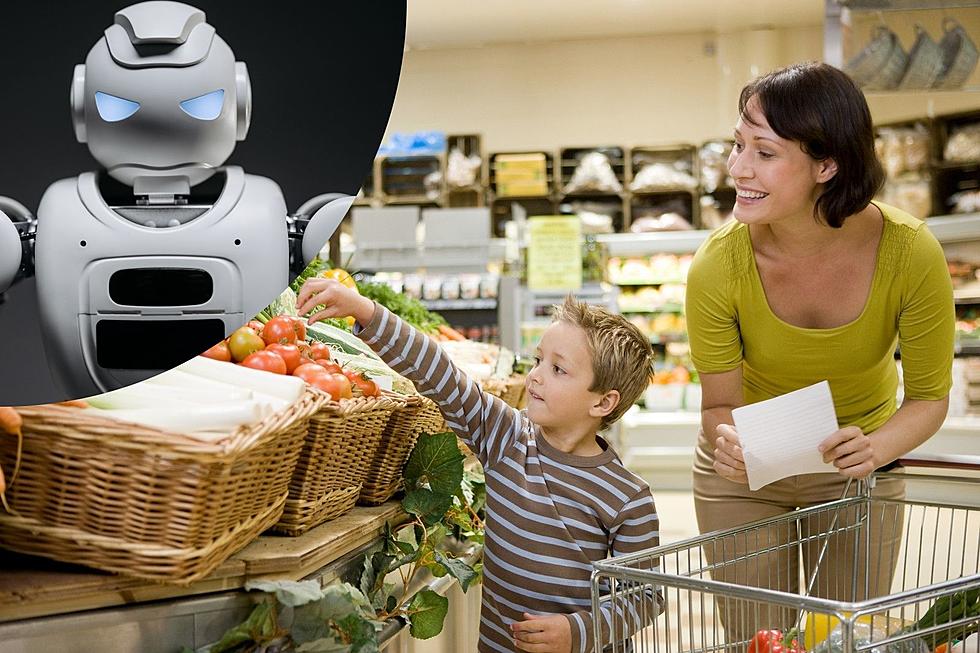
{"x": 161, "y": 108}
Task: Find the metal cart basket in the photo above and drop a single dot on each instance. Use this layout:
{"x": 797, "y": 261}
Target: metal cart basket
{"x": 853, "y": 575}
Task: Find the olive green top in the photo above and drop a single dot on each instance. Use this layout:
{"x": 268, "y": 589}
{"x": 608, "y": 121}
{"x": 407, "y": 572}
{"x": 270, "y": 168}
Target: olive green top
{"x": 730, "y": 323}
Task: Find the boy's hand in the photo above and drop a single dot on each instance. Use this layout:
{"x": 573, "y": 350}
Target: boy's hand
{"x": 546, "y": 633}
{"x": 338, "y": 301}
{"x": 729, "y": 462}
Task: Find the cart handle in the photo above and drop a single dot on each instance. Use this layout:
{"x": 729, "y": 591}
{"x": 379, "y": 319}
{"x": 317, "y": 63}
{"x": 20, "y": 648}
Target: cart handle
{"x": 941, "y": 461}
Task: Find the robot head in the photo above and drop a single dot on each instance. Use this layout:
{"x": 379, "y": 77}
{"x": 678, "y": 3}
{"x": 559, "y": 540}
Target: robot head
{"x": 160, "y": 98}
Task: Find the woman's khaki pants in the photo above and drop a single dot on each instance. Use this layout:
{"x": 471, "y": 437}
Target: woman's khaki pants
{"x": 771, "y": 557}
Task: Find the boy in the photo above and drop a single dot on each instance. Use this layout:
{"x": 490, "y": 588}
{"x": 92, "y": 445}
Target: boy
{"x": 558, "y": 498}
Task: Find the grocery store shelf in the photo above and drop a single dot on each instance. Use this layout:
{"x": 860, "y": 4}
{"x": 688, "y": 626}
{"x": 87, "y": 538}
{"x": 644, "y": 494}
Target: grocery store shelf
{"x": 967, "y": 294}
{"x": 459, "y": 304}
{"x": 646, "y": 282}
{"x": 955, "y": 228}
{"x": 967, "y": 347}
{"x": 650, "y": 310}
{"x": 664, "y": 242}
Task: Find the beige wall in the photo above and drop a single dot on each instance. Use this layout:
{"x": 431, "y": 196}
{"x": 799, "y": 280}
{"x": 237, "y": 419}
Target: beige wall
{"x": 616, "y": 91}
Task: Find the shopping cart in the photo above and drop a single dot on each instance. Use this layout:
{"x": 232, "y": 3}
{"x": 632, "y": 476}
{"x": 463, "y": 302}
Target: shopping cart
{"x": 853, "y": 575}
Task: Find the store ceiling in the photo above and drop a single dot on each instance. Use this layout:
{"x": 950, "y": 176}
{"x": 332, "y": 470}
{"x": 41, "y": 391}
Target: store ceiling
{"x": 434, "y": 24}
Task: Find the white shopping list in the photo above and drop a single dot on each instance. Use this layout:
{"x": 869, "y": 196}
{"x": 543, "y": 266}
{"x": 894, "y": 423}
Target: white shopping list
{"x": 779, "y": 436}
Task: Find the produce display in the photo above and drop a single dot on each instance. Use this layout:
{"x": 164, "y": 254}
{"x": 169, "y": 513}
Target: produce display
{"x": 655, "y": 269}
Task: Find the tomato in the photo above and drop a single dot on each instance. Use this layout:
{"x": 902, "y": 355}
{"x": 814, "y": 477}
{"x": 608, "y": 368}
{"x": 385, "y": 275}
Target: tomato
{"x": 304, "y": 350}
{"x": 309, "y": 371}
{"x": 290, "y": 354}
{"x": 329, "y": 366}
{"x": 367, "y": 387}
{"x": 300, "y": 325}
{"x": 319, "y": 350}
{"x": 256, "y": 326}
{"x": 268, "y": 361}
{"x": 219, "y": 352}
{"x": 336, "y": 385}
{"x": 279, "y": 329}
{"x": 243, "y": 342}
{"x": 345, "y": 387}
{"x": 325, "y": 383}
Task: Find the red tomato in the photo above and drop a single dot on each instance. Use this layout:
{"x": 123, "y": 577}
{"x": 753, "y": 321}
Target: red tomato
{"x": 329, "y": 366}
{"x": 367, "y": 387}
{"x": 300, "y": 325}
{"x": 279, "y": 329}
{"x": 268, "y": 361}
{"x": 345, "y": 387}
{"x": 309, "y": 371}
{"x": 219, "y": 352}
{"x": 289, "y": 353}
{"x": 325, "y": 383}
{"x": 319, "y": 350}
{"x": 243, "y": 342}
{"x": 255, "y": 325}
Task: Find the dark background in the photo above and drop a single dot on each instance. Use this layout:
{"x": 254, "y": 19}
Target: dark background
{"x": 323, "y": 78}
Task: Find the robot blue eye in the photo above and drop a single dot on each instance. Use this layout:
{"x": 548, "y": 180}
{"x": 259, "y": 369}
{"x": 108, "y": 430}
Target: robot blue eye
{"x": 204, "y": 107}
{"x": 114, "y": 109}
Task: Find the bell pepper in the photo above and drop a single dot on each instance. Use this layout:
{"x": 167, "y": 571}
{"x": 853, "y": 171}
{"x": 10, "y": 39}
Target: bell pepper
{"x": 773, "y": 641}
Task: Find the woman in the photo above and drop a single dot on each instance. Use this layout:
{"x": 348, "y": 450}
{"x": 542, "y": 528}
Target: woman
{"x": 813, "y": 281}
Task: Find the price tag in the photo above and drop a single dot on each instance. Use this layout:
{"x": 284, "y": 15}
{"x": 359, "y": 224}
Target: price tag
{"x": 554, "y": 253}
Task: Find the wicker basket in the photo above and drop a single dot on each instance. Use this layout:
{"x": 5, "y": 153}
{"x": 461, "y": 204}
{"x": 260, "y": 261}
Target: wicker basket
{"x": 883, "y": 54}
{"x": 925, "y": 62}
{"x": 145, "y": 502}
{"x": 384, "y": 478}
{"x": 337, "y": 451}
{"x": 959, "y": 55}
{"x": 511, "y": 390}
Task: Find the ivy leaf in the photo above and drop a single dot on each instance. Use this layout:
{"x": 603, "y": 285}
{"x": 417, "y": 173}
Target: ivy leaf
{"x": 360, "y": 632}
{"x": 391, "y": 604}
{"x": 288, "y": 592}
{"x": 389, "y": 541}
{"x": 428, "y": 612}
{"x": 383, "y": 597}
{"x": 427, "y": 505}
{"x": 376, "y": 567}
{"x": 311, "y": 621}
{"x": 457, "y": 569}
{"x": 258, "y": 628}
{"x": 437, "y": 462}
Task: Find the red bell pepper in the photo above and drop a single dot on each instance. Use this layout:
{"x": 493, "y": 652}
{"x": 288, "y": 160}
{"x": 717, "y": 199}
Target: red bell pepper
{"x": 773, "y": 641}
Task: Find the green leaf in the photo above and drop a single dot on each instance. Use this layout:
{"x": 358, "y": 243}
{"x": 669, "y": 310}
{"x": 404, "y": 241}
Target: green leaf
{"x": 383, "y": 596}
{"x": 311, "y": 621}
{"x": 391, "y": 604}
{"x": 436, "y": 534}
{"x": 376, "y": 567}
{"x": 360, "y": 632}
{"x": 457, "y": 569}
{"x": 258, "y": 628}
{"x": 288, "y": 592}
{"x": 427, "y": 611}
{"x": 437, "y": 462}
{"x": 428, "y": 505}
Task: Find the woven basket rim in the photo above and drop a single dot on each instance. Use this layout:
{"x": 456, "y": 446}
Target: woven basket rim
{"x": 71, "y": 422}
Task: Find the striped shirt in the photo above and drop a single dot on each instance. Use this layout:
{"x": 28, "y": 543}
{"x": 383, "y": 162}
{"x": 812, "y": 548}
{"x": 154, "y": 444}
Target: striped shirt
{"x": 549, "y": 514}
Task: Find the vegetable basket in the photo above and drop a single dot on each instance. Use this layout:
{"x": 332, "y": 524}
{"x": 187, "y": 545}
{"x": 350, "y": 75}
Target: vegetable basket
{"x": 384, "y": 476}
{"x": 511, "y": 389}
{"x": 142, "y": 501}
{"x": 339, "y": 445}
{"x": 869, "y": 572}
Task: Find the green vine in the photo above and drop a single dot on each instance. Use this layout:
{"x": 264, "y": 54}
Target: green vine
{"x": 445, "y": 504}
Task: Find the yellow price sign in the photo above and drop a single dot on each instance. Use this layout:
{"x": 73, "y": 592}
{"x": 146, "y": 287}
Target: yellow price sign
{"x": 554, "y": 252}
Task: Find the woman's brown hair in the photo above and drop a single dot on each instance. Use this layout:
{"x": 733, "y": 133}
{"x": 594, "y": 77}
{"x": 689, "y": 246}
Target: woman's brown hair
{"x": 822, "y": 108}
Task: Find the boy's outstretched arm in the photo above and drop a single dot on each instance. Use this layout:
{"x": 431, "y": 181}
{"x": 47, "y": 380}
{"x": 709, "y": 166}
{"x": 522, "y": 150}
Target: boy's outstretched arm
{"x": 484, "y": 422}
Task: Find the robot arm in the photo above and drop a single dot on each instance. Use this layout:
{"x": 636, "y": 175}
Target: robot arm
{"x": 12, "y": 250}
{"x": 327, "y": 211}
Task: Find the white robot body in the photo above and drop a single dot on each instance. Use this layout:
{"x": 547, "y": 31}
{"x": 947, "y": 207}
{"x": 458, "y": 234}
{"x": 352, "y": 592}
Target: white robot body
{"x": 119, "y": 300}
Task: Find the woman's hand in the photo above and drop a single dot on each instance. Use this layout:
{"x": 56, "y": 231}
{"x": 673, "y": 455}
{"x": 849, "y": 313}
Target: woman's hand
{"x": 543, "y": 633}
{"x": 851, "y": 452}
{"x": 729, "y": 462}
{"x": 337, "y": 299}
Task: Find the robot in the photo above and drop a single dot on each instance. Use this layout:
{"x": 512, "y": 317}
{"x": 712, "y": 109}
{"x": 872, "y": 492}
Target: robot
{"x": 164, "y": 251}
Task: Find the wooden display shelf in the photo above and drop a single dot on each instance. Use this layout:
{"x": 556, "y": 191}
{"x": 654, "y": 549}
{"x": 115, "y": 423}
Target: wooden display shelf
{"x": 35, "y": 587}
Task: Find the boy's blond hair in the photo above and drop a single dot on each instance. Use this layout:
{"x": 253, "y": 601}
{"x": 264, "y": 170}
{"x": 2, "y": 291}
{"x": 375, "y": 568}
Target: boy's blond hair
{"x": 622, "y": 358}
